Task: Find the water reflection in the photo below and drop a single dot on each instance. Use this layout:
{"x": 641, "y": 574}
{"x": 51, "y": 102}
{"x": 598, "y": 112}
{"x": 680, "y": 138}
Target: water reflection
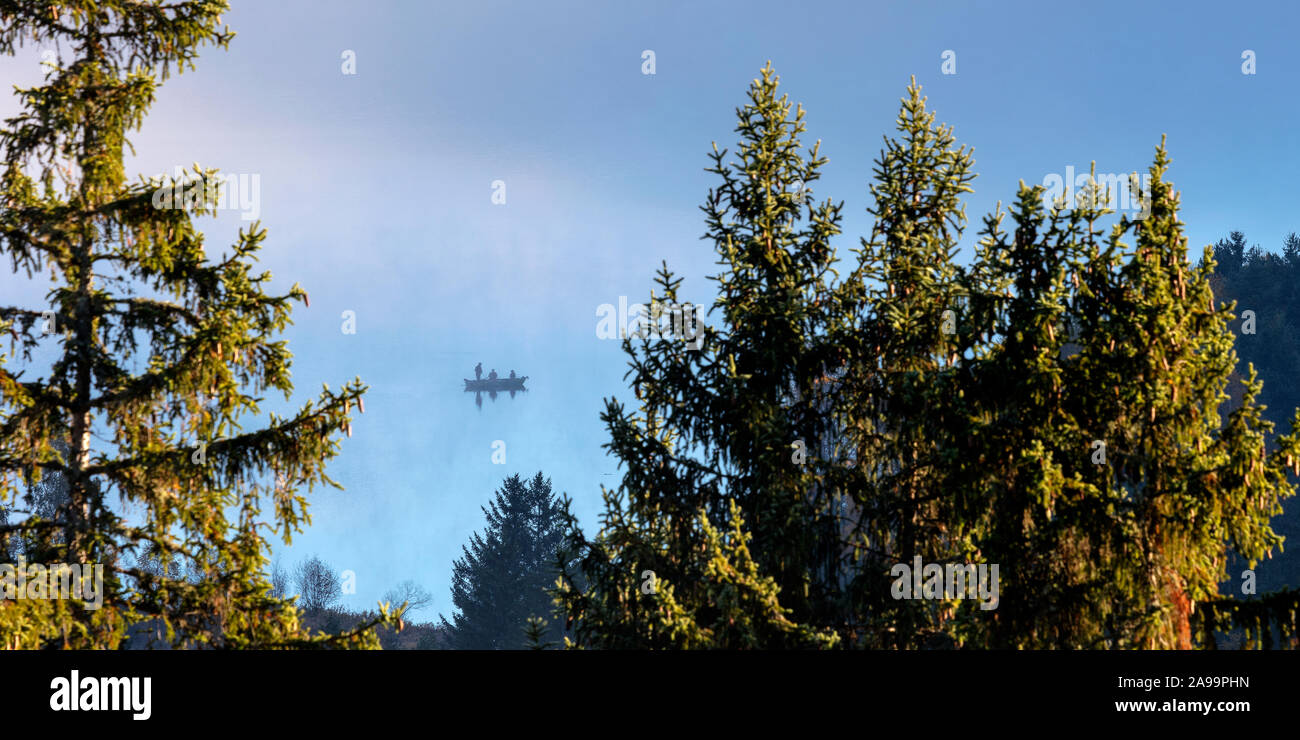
{"x": 478, "y": 395}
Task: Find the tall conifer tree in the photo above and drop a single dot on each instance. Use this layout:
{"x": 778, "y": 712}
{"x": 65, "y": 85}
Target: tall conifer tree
{"x": 500, "y": 584}
{"x": 720, "y": 534}
{"x": 132, "y": 283}
{"x": 897, "y": 397}
{"x": 1113, "y": 488}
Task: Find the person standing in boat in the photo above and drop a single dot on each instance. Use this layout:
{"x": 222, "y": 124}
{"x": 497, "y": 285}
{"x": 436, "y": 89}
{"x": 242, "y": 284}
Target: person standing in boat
{"x": 492, "y": 375}
{"x": 512, "y": 374}
{"x": 478, "y": 371}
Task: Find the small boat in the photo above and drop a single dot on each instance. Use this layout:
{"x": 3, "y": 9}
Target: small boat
{"x": 499, "y": 384}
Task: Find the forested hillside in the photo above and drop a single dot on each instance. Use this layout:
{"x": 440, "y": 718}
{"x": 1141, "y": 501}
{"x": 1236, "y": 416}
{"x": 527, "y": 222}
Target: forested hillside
{"x": 1265, "y": 288}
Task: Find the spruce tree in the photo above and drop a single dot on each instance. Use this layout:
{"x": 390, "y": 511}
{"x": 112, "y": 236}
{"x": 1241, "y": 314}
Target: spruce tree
{"x": 725, "y": 529}
{"x": 1008, "y": 475}
{"x": 902, "y": 413}
{"x": 134, "y": 287}
{"x": 1115, "y": 490}
{"x": 500, "y": 584}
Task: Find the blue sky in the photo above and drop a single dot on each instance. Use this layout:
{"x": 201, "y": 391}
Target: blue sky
{"x": 376, "y": 190}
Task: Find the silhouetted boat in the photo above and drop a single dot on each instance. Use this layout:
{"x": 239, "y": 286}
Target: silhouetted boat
{"x": 500, "y": 384}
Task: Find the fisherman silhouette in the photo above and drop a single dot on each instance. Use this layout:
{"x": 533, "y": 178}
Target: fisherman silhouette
{"x": 492, "y": 375}
{"x": 478, "y": 371}
{"x": 512, "y": 374}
